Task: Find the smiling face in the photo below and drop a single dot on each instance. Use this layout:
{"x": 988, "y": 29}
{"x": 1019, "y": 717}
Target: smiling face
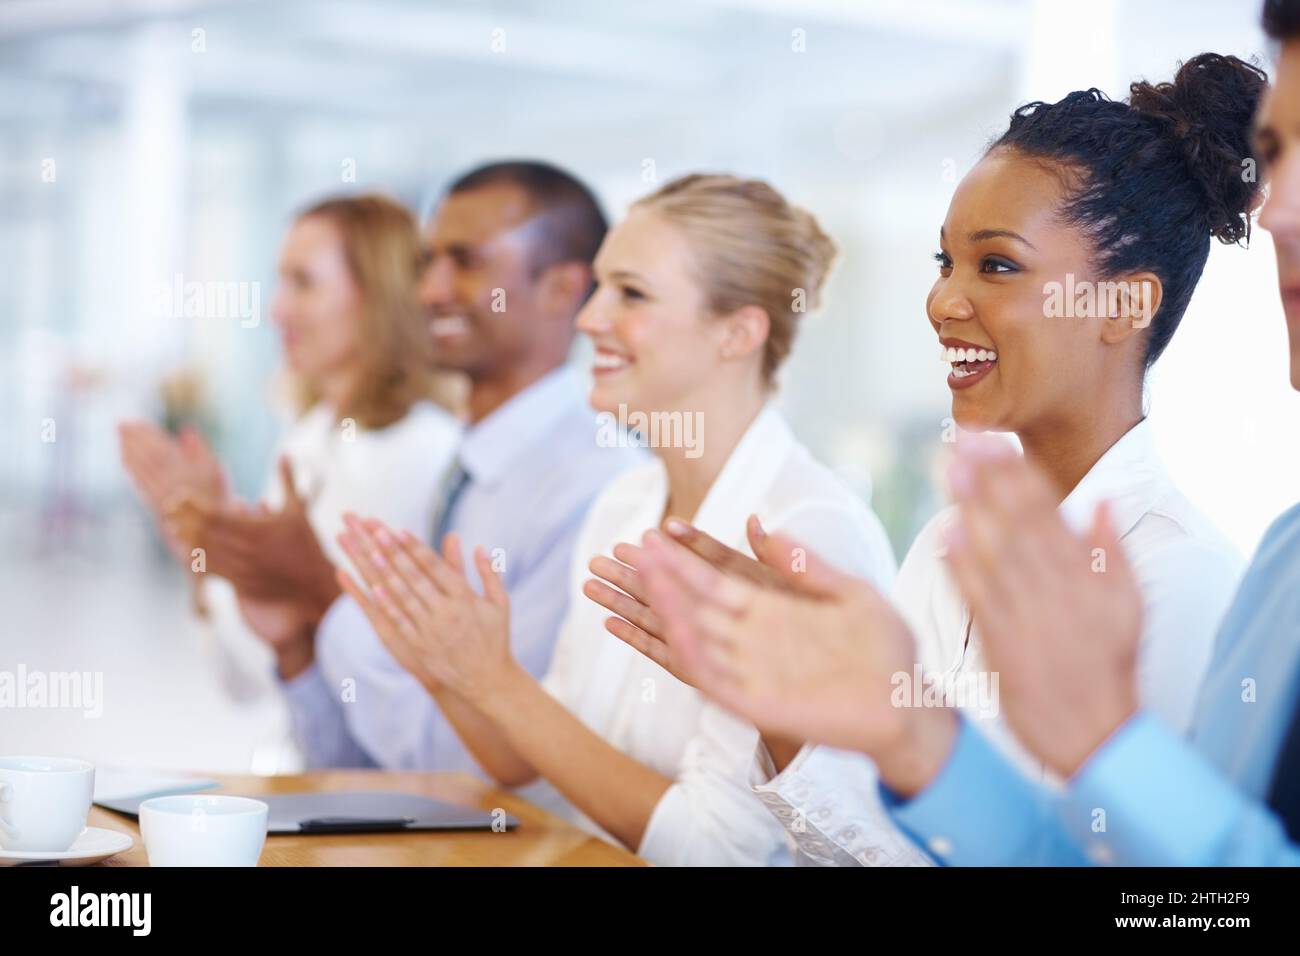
{"x": 478, "y": 288}
{"x": 657, "y": 344}
{"x": 1278, "y": 146}
{"x": 1011, "y": 367}
{"x": 317, "y": 306}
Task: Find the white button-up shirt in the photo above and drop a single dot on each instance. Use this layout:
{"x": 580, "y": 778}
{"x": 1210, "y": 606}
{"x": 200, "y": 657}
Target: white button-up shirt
{"x": 709, "y": 815}
{"x": 1187, "y": 572}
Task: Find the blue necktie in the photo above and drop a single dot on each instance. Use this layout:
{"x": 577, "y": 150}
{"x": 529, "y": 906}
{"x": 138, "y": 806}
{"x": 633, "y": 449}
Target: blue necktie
{"x": 453, "y": 485}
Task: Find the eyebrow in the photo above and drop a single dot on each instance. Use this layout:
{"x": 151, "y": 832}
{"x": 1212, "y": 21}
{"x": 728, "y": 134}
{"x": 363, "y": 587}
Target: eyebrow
{"x": 980, "y": 235}
{"x": 627, "y": 274}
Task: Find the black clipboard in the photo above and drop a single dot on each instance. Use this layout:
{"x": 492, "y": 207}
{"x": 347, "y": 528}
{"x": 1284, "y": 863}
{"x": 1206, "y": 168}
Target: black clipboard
{"x": 357, "y": 811}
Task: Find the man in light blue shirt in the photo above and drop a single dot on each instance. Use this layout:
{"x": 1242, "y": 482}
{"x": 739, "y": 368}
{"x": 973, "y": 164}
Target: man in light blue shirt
{"x": 508, "y": 267}
{"x": 1146, "y": 797}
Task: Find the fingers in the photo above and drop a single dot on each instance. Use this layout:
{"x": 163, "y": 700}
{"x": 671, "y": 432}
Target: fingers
{"x": 421, "y": 554}
{"x": 701, "y": 580}
{"x": 725, "y": 559}
{"x": 1104, "y": 536}
{"x": 1010, "y": 520}
{"x": 640, "y": 641}
{"x": 453, "y": 553}
{"x": 410, "y": 576}
{"x": 676, "y": 608}
{"x": 397, "y": 632}
{"x": 622, "y": 576}
{"x": 626, "y": 607}
{"x": 204, "y": 462}
{"x": 367, "y": 559}
{"x": 443, "y": 574}
{"x": 149, "y": 457}
{"x": 494, "y": 589}
{"x": 801, "y": 569}
{"x": 757, "y": 536}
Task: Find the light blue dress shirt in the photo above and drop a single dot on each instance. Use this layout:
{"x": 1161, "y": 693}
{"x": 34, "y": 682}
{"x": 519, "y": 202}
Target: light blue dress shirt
{"x": 534, "y": 465}
{"x": 1148, "y": 797}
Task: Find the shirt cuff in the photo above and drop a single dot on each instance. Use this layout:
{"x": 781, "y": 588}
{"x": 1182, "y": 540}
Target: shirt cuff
{"x": 709, "y": 816}
{"x": 827, "y": 801}
{"x": 1147, "y": 798}
{"x": 316, "y": 715}
{"x": 979, "y": 810}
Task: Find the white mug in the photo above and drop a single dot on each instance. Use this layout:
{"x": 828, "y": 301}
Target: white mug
{"x": 44, "y": 802}
{"x": 196, "y": 829}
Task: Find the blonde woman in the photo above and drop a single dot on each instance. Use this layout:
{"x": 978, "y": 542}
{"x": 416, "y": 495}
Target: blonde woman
{"x": 371, "y": 429}
{"x": 693, "y": 314}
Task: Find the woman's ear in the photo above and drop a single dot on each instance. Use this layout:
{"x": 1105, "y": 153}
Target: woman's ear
{"x": 745, "y": 331}
{"x": 1130, "y": 304}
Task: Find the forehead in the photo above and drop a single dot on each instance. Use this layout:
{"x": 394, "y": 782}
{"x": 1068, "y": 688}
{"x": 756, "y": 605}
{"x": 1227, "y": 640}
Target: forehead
{"x": 312, "y": 236}
{"x": 476, "y": 215}
{"x": 644, "y": 241}
{"x": 1006, "y": 190}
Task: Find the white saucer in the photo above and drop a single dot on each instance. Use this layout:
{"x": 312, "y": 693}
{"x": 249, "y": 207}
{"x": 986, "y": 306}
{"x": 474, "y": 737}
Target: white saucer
{"x": 94, "y": 844}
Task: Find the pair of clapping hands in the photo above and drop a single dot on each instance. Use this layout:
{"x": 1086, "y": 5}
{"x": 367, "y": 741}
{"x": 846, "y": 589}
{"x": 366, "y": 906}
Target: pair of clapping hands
{"x": 801, "y": 649}
{"x": 283, "y": 578}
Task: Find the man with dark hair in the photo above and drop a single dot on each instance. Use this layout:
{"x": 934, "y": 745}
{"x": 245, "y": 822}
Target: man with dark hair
{"x": 508, "y": 253}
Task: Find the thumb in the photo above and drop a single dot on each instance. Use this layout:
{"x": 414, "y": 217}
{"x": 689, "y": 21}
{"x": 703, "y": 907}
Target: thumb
{"x": 797, "y": 565}
{"x": 291, "y": 498}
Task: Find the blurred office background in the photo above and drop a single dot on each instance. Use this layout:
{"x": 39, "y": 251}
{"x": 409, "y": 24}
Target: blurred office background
{"x": 149, "y": 142}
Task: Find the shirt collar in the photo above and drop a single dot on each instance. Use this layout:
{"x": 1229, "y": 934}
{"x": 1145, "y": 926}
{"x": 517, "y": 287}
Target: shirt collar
{"x": 1130, "y": 475}
{"x": 509, "y": 433}
{"x": 750, "y": 469}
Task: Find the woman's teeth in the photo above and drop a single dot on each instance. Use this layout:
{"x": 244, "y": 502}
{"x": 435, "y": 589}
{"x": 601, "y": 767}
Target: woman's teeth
{"x": 953, "y": 356}
{"x": 608, "y": 360}
{"x": 959, "y": 358}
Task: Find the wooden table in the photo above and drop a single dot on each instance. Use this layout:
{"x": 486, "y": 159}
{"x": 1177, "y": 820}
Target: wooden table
{"x": 541, "y": 839}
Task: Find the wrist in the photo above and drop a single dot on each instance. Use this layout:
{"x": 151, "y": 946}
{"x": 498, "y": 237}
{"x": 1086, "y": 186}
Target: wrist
{"x": 1092, "y": 734}
{"x": 500, "y": 689}
{"x": 918, "y": 752}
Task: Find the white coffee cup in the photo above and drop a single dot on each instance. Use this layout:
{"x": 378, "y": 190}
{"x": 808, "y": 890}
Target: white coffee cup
{"x": 44, "y": 802}
{"x": 196, "y": 829}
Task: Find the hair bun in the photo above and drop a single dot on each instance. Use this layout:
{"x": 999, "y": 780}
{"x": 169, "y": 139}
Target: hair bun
{"x": 1209, "y": 108}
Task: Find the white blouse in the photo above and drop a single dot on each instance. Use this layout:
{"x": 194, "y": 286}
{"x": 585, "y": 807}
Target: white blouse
{"x": 393, "y": 473}
{"x": 1187, "y": 572}
{"x": 709, "y": 815}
